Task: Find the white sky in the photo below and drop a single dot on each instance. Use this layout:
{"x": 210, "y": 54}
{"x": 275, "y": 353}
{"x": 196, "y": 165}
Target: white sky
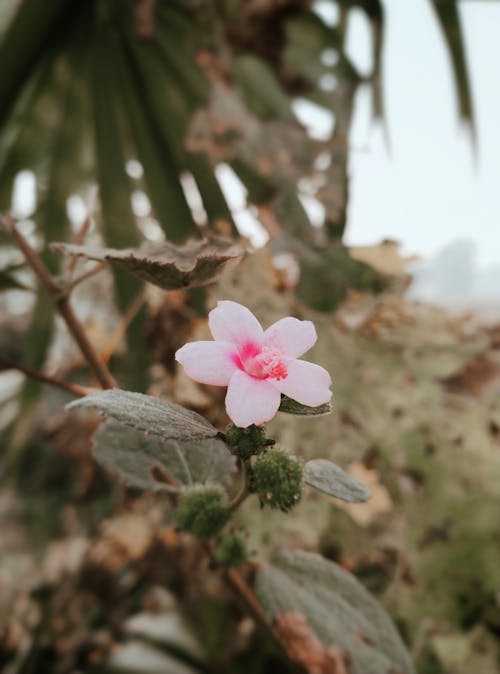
{"x": 428, "y": 189}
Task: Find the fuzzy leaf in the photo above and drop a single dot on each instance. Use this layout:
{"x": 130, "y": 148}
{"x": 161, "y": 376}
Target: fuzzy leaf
{"x": 148, "y": 414}
{"x": 331, "y": 479}
{"x": 132, "y": 454}
{"x": 338, "y": 611}
{"x": 290, "y": 406}
{"x": 167, "y": 265}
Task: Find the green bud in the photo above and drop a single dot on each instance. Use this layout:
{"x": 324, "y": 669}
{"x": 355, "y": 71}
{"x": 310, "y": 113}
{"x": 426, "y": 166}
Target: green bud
{"x": 202, "y": 511}
{"x": 277, "y": 479}
{"x": 230, "y": 551}
{"x": 247, "y": 442}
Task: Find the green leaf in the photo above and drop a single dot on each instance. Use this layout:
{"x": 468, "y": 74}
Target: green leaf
{"x": 65, "y": 161}
{"x": 332, "y": 480}
{"x": 148, "y": 414}
{"x": 338, "y": 610}
{"x": 338, "y": 272}
{"x": 32, "y": 28}
{"x": 132, "y": 454}
{"x": 139, "y": 71}
{"x": 8, "y": 281}
{"x": 28, "y": 136}
{"x": 166, "y": 265}
{"x": 119, "y": 224}
{"x": 449, "y": 19}
{"x": 307, "y": 36}
{"x": 261, "y": 90}
{"x": 290, "y": 406}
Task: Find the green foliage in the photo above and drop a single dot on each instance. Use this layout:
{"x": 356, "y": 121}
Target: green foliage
{"x": 231, "y": 551}
{"x": 448, "y": 15}
{"x": 100, "y": 82}
{"x": 337, "y": 608}
{"x": 277, "y": 479}
{"x": 338, "y": 272}
{"x": 332, "y": 480}
{"x": 247, "y": 442}
{"x": 149, "y": 462}
{"x": 289, "y": 406}
{"x": 147, "y": 414}
{"x": 87, "y": 85}
{"x": 202, "y": 511}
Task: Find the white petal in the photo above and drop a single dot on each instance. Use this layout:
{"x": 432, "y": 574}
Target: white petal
{"x": 232, "y": 322}
{"x": 250, "y": 400}
{"x": 208, "y": 362}
{"x": 294, "y": 337}
{"x": 307, "y": 383}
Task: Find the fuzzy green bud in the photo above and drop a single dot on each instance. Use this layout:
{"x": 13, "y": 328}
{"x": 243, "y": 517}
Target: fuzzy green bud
{"x": 202, "y": 511}
{"x": 247, "y": 442}
{"x": 231, "y": 551}
{"x": 277, "y": 479}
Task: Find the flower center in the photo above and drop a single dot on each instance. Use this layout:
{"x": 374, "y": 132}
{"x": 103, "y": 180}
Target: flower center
{"x": 268, "y": 363}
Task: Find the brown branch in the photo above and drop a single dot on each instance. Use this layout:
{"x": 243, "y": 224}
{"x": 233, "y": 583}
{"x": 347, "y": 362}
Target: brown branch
{"x": 127, "y": 318}
{"x": 61, "y": 303}
{"x": 238, "y": 584}
{"x": 45, "y": 378}
{"x": 86, "y": 275}
{"x": 79, "y": 238}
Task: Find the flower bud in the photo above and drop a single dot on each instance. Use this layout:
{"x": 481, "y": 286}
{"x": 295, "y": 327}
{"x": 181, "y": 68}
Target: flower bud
{"x": 202, "y": 511}
{"x": 230, "y": 551}
{"x": 277, "y": 479}
{"x": 247, "y": 442}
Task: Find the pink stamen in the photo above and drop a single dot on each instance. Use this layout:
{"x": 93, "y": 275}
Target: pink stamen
{"x": 262, "y": 363}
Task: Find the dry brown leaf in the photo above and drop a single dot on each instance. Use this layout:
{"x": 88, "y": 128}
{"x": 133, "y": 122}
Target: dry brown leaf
{"x": 304, "y": 648}
{"x": 380, "y": 502}
{"x": 478, "y": 374}
{"x": 132, "y": 534}
{"x": 384, "y": 257}
{"x": 167, "y": 265}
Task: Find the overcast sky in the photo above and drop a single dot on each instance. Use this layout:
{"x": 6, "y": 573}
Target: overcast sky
{"x": 428, "y": 189}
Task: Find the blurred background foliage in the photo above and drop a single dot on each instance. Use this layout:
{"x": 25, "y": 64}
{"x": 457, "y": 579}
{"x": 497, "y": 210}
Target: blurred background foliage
{"x": 135, "y": 119}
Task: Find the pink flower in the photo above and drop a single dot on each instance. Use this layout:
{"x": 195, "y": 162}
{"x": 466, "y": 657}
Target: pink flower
{"x": 257, "y": 366}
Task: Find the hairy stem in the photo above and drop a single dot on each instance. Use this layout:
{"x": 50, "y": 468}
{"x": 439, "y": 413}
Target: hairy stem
{"x": 62, "y": 305}
{"x": 243, "y": 493}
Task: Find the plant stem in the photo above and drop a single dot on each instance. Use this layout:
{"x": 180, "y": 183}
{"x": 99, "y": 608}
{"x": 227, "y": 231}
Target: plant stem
{"x": 45, "y": 378}
{"x": 120, "y": 332}
{"x": 79, "y": 239}
{"x": 88, "y": 274}
{"x": 238, "y": 584}
{"x": 243, "y": 493}
{"x": 62, "y": 304}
